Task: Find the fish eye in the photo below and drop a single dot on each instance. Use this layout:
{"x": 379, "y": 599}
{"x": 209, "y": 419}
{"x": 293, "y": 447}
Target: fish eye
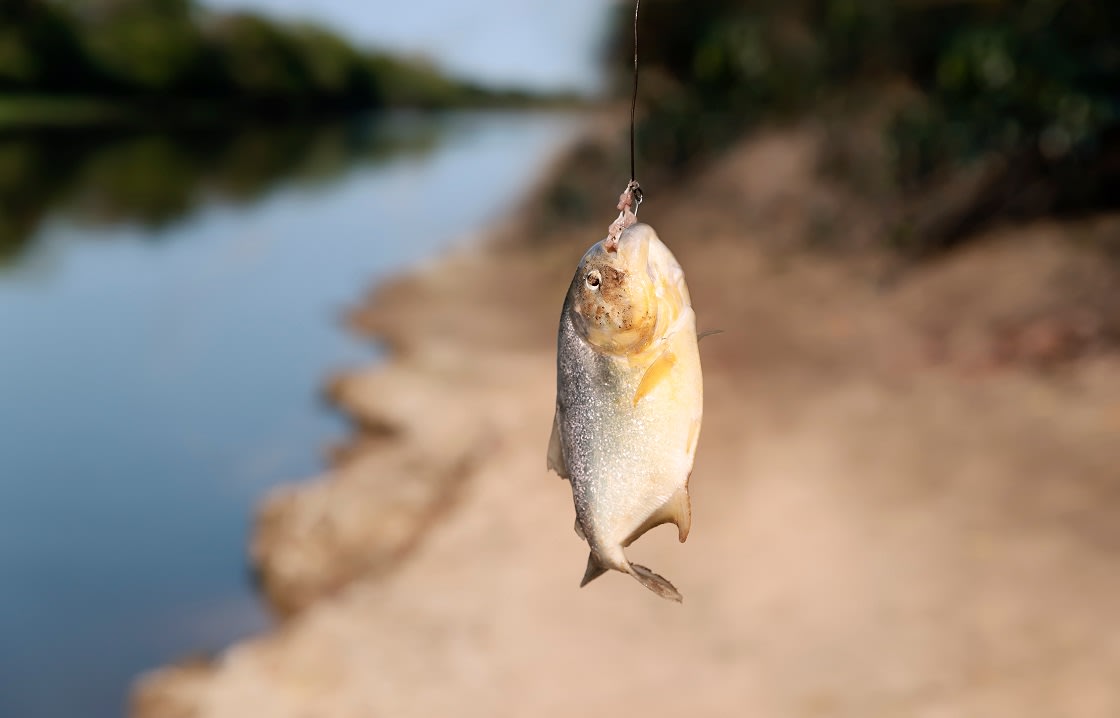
{"x": 594, "y": 279}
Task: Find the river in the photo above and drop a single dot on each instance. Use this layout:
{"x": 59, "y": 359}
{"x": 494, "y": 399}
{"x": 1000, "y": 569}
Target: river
{"x": 169, "y": 310}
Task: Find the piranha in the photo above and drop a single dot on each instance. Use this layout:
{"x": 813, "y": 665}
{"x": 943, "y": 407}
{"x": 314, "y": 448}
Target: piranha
{"x": 629, "y": 399}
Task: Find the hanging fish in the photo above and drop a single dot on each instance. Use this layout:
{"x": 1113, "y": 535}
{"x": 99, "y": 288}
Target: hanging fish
{"x": 629, "y": 397}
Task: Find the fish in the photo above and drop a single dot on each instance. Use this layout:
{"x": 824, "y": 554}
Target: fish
{"x": 629, "y": 400}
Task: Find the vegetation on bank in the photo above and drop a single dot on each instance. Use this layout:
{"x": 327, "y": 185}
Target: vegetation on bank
{"x": 68, "y": 62}
{"x": 153, "y": 179}
{"x": 1032, "y": 87}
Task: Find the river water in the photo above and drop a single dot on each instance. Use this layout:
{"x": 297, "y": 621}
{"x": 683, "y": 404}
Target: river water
{"x": 169, "y": 310}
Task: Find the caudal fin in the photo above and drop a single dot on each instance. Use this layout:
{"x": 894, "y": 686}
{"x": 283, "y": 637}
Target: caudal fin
{"x": 658, "y": 584}
{"x": 594, "y": 569}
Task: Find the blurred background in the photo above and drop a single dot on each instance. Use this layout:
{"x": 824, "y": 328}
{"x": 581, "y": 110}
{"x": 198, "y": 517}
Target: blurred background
{"x": 190, "y": 195}
{"x": 193, "y": 193}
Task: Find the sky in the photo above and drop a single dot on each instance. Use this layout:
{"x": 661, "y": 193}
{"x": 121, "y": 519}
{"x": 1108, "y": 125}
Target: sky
{"x": 548, "y": 46}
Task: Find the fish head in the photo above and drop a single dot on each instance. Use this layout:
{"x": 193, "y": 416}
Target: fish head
{"x": 625, "y": 294}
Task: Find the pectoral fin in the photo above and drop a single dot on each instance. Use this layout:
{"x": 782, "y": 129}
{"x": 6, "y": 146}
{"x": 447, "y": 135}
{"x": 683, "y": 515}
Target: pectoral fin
{"x": 555, "y": 452}
{"x": 657, "y": 372}
{"x": 708, "y": 333}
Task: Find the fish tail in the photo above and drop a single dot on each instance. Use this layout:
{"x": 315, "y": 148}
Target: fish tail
{"x": 658, "y": 584}
{"x": 594, "y": 570}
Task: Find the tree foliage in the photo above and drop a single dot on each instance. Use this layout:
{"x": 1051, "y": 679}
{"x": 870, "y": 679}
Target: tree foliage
{"x": 1034, "y": 80}
{"x": 170, "y": 52}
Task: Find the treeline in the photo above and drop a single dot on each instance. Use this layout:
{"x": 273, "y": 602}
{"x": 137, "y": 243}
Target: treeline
{"x": 164, "y": 55}
{"x": 153, "y": 179}
{"x": 1034, "y": 81}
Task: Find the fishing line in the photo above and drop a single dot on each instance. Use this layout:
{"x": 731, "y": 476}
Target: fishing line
{"x": 634, "y": 97}
{"x": 631, "y": 197}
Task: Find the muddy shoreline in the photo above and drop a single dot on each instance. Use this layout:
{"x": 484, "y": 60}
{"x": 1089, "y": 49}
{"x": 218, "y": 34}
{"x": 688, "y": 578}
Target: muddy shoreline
{"x": 904, "y": 495}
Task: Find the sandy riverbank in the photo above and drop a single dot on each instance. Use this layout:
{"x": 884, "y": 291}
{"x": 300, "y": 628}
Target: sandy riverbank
{"x": 904, "y": 502}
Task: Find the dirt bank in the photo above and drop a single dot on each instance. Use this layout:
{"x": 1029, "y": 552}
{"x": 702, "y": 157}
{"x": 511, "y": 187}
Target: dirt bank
{"x": 904, "y": 502}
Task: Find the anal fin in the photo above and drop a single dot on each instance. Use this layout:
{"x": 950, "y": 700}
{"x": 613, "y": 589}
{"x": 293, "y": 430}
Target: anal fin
{"x": 676, "y": 510}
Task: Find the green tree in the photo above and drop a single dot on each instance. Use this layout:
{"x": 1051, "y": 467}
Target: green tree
{"x": 1034, "y": 81}
{"x": 142, "y": 45}
{"x": 40, "y": 49}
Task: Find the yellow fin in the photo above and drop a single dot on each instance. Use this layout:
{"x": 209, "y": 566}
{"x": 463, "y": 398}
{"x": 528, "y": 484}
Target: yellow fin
{"x": 656, "y": 372}
{"x": 555, "y": 452}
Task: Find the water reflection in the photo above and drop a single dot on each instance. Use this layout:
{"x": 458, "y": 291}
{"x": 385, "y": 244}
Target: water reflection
{"x": 154, "y": 179}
